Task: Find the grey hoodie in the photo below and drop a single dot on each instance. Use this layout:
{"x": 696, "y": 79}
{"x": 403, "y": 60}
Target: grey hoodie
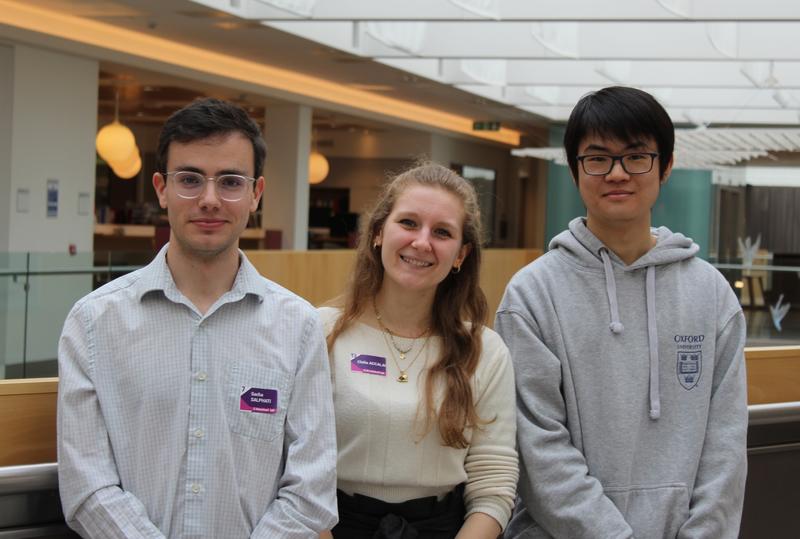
{"x": 631, "y": 392}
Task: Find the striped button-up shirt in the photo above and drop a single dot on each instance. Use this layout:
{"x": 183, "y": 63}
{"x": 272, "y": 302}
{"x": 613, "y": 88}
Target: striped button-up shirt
{"x": 174, "y": 423}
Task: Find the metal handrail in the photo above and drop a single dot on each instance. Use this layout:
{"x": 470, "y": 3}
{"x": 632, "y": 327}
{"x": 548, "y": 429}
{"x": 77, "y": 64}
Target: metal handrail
{"x": 756, "y": 267}
{"x": 768, "y": 414}
{"x": 73, "y": 271}
{"x": 28, "y": 478}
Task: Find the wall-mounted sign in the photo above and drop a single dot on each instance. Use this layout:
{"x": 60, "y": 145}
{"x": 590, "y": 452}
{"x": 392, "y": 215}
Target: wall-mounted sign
{"x": 52, "y": 198}
{"x": 83, "y": 203}
{"x": 23, "y": 200}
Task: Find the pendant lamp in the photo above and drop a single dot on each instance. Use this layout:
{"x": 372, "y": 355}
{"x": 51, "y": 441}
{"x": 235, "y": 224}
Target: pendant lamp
{"x": 318, "y": 167}
{"x": 130, "y": 168}
{"x": 116, "y": 144}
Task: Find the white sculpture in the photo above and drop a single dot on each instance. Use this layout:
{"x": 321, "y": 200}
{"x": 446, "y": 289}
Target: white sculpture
{"x": 749, "y": 249}
{"x": 778, "y": 312}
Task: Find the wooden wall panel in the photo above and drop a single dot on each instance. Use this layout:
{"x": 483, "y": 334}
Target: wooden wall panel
{"x": 28, "y": 421}
{"x": 773, "y": 374}
{"x": 499, "y": 266}
{"x": 319, "y": 276}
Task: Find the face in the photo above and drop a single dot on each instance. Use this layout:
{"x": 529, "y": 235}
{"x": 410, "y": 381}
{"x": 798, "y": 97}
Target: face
{"x": 421, "y": 240}
{"x": 619, "y": 198}
{"x": 207, "y": 226}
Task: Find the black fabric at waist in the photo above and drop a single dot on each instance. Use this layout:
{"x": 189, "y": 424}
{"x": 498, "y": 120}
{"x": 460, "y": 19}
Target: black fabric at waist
{"x": 363, "y": 517}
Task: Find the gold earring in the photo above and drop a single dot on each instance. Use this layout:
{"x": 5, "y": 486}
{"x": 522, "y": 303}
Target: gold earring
{"x": 456, "y": 269}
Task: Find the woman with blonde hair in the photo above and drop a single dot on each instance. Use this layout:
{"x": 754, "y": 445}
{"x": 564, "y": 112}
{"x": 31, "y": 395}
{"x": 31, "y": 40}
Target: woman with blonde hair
{"x": 423, "y": 390}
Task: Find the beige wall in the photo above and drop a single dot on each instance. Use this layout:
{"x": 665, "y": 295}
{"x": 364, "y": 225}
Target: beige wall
{"x": 363, "y": 177}
{"x": 361, "y": 161}
{"x": 449, "y": 150}
{"x": 43, "y": 95}
{"x": 52, "y": 93}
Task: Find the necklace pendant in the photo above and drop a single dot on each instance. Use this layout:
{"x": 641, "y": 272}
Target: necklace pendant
{"x": 402, "y": 355}
{"x": 403, "y": 378}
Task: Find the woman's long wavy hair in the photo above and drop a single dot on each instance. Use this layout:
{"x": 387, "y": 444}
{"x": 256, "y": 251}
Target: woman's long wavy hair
{"x": 459, "y": 306}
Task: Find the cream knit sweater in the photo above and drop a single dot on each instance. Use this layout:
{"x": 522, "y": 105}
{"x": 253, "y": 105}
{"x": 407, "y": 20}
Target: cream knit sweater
{"x": 381, "y": 453}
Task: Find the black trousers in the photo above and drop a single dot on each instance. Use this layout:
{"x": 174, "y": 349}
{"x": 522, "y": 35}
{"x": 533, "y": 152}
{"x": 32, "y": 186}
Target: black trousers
{"x": 362, "y": 517}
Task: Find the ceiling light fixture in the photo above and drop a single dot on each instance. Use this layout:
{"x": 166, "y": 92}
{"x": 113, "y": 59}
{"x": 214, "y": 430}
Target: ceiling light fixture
{"x": 318, "y": 167}
{"x": 116, "y": 144}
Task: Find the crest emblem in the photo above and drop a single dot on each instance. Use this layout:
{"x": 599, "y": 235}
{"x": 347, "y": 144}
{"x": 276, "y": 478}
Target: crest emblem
{"x": 690, "y": 366}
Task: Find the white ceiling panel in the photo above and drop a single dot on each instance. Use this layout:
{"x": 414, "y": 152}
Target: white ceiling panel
{"x": 670, "y": 74}
{"x": 706, "y": 148}
{"x": 583, "y": 40}
{"x": 697, "y": 116}
{"x": 709, "y": 61}
{"x": 710, "y": 98}
{"x": 339, "y": 35}
{"x": 717, "y": 10}
{"x": 424, "y": 67}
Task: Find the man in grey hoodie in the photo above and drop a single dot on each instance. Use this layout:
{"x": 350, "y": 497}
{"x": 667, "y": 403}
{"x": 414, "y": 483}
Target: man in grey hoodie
{"x": 628, "y": 353}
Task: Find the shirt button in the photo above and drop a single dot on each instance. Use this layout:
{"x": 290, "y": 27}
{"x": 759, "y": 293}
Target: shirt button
{"x": 196, "y": 488}
{"x": 202, "y": 376}
{"x": 198, "y": 433}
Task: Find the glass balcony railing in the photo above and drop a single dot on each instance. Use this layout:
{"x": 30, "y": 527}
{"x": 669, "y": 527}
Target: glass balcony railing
{"x": 37, "y": 290}
{"x": 770, "y": 297}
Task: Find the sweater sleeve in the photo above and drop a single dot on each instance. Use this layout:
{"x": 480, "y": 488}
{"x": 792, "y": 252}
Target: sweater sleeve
{"x": 491, "y": 462}
{"x": 715, "y": 509}
{"x": 555, "y": 486}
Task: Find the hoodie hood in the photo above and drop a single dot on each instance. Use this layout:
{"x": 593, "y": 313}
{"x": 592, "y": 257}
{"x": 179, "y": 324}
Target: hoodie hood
{"x": 579, "y": 244}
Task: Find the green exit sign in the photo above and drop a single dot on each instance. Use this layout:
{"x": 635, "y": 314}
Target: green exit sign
{"x": 486, "y": 126}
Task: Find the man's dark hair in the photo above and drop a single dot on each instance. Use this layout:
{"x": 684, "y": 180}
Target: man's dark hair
{"x": 621, "y": 113}
{"x": 206, "y": 118}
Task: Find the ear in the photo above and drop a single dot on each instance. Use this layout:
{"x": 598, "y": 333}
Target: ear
{"x": 667, "y": 171}
{"x": 377, "y": 241}
{"x": 160, "y": 185}
{"x": 466, "y": 249}
{"x": 258, "y": 190}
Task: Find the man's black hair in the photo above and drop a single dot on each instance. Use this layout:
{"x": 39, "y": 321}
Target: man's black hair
{"x": 208, "y": 117}
{"x": 620, "y": 113}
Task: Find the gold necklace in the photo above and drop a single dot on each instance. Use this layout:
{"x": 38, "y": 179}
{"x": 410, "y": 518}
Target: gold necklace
{"x": 394, "y": 344}
{"x": 403, "y": 378}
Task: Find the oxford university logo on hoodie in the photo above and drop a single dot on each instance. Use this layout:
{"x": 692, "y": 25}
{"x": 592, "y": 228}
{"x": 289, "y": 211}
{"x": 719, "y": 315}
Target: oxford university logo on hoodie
{"x": 690, "y": 359}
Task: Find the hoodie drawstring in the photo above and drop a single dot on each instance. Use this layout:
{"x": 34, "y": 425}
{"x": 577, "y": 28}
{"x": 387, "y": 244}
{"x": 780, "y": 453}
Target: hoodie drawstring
{"x": 652, "y": 336}
{"x": 616, "y": 326}
{"x": 611, "y": 290}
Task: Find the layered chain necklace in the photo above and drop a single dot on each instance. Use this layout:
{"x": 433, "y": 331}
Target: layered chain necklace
{"x": 391, "y": 343}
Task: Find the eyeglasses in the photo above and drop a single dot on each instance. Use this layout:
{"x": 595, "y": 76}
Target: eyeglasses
{"x": 230, "y": 187}
{"x": 632, "y": 163}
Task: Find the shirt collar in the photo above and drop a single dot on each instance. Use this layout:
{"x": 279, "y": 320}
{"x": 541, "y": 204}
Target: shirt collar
{"x": 157, "y": 276}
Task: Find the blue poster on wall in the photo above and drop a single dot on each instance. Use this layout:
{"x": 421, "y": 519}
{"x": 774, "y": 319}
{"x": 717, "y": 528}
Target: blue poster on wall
{"x": 52, "y": 198}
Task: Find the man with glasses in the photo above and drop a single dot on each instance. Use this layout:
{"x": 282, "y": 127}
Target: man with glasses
{"x": 628, "y": 353}
{"x": 194, "y": 394}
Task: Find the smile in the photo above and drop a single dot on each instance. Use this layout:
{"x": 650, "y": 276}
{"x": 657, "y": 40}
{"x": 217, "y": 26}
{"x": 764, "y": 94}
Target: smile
{"x": 415, "y": 262}
{"x": 208, "y": 223}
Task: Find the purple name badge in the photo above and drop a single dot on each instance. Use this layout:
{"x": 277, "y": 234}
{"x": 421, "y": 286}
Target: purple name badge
{"x": 261, "y": 401}
{"x": 368, "y": 364}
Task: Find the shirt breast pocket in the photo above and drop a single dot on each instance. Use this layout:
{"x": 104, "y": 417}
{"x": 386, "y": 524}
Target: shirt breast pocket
{"x": 258, "y": 400}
